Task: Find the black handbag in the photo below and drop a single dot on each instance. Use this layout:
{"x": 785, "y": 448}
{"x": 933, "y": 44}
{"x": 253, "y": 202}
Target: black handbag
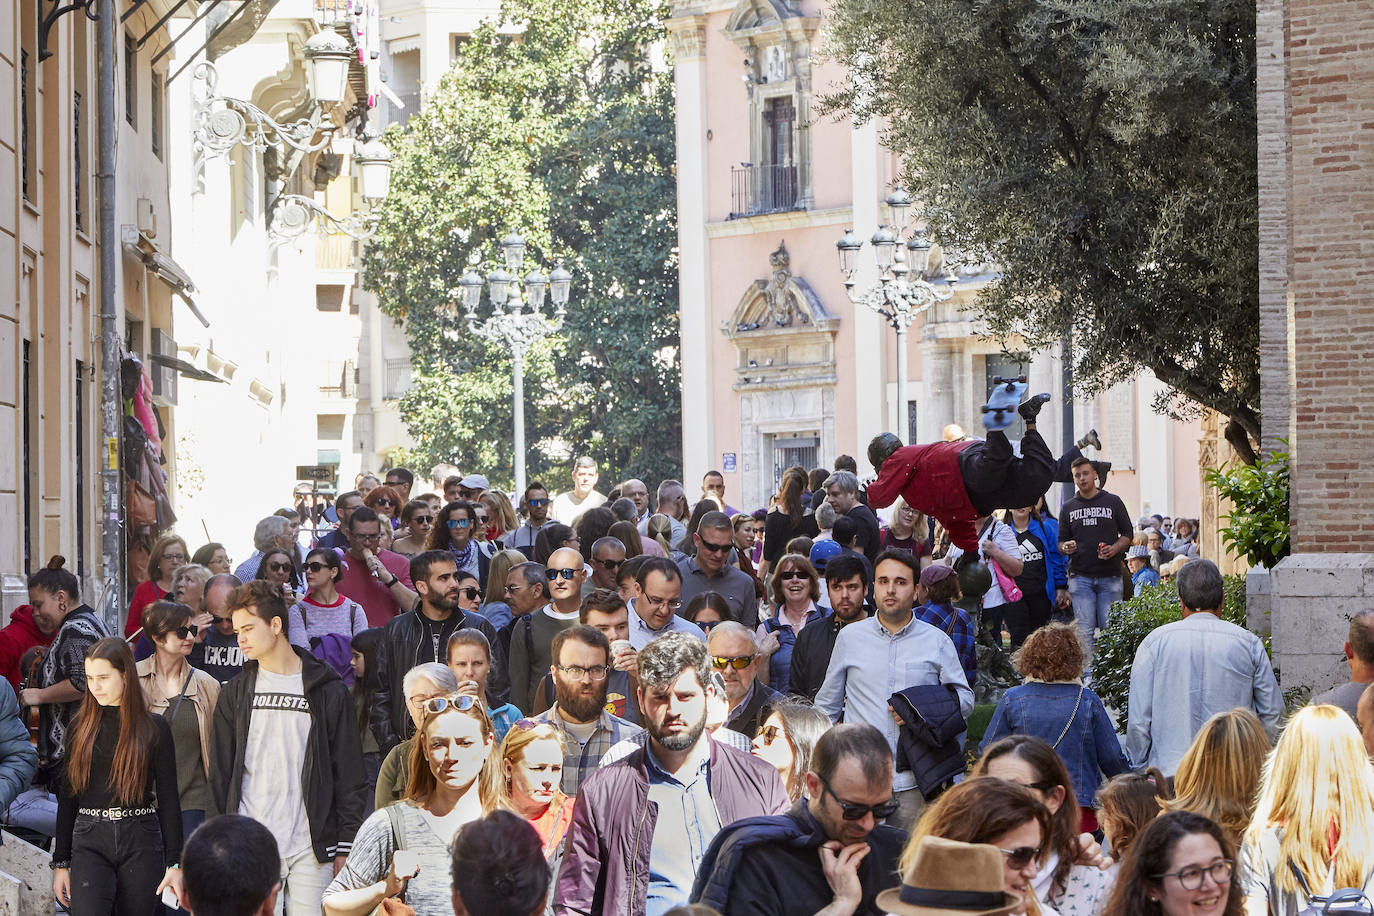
{"x": 1347, "y": 901}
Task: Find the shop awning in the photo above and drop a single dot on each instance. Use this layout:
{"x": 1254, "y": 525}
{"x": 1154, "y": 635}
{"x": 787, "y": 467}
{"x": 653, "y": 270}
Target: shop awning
{"x": 160, "y": 264}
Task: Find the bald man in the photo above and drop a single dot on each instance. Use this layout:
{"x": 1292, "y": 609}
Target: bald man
{"x": 531, "y": 641}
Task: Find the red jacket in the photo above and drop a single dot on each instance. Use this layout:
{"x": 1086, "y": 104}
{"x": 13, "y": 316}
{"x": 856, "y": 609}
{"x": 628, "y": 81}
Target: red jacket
{"x": 929, "y": 479}
{"x": 21, "y": 635}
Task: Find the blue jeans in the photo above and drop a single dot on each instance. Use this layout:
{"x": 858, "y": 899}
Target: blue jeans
{"x": 1092, "y": 598}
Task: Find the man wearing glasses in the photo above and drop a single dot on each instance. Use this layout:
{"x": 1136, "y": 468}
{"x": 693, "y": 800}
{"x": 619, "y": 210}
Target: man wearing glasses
{"x": 735, "y": 654}
{"x": 654, "y": 612}
{"x": 536, "y": 499}
{"x": 831, "y": 853}
{"x": 580, "y": 670}
{"x": 532, "y": 635}
{"x": 710, "y": 570}
{"x": 887, "y": 653}
{"x": 607, "y": 555}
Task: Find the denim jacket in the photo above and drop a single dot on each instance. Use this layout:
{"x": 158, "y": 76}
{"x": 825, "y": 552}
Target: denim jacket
{"x": 1090, "y": 748}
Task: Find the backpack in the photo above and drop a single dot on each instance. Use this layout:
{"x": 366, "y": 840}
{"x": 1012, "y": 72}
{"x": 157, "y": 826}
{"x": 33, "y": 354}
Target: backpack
{"x": 503, "y": 635}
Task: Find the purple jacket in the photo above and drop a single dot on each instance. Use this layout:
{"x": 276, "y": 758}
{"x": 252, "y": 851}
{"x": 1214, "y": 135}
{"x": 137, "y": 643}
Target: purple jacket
{"x": 605, "y": 868}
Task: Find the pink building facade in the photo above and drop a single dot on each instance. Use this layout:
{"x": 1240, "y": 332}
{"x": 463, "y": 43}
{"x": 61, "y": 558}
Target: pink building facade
{"x": 778, "y": 367}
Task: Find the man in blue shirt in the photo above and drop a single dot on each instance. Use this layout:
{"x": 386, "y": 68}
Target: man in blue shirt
{"x": 654, "y": 612}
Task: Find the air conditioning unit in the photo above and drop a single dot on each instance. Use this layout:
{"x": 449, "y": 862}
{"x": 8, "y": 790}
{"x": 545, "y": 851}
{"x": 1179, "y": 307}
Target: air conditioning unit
{"x": 164, "y": 376}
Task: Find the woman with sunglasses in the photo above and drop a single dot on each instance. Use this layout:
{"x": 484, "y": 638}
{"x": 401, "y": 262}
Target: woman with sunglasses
{"x": 1313, "y": 828}
{"x": 454, "y": 531}
{"x": 494, "y": 606}
{"x": 1182, "y": 865}
{"x": 406, "y": 847}
{"x": 1072, "y": 889}
{"x": 386, "y": 502}
{"x": 278, "y": 566}
{"x": 795, "y": 589}
{"x": 186, "y": 698}
{"x": 708, "y": 609}
{"x": 786, "y": 740}
{"x": 528, "y": 773}
{"x": 417, "y": 518}
{"x": 997, "y": 813}
{"x": 323, "y": 610}
{"x": 501, "y": 518}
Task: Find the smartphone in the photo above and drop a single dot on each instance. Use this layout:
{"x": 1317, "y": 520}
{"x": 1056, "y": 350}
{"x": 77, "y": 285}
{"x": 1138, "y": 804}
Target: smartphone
{"x": 169, "y": 899}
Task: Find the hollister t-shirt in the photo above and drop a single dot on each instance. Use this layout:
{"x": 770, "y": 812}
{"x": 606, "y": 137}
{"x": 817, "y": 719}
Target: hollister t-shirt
{"x": 274, "y": 760}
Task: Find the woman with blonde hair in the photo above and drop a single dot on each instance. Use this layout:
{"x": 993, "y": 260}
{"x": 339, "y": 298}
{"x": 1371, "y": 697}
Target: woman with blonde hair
{"x": 907, "y": 529}
{"x": 660, "y": 531}
{"x": 528, "y": 774}
{"x": 449, "y": 786}
{"x": 1219, "y": 775}
{"x": 494, "y": 606}
{"x": 996, "y": 812}
{"x": 501, "y": 518}
{"x": 1313, "y": 828}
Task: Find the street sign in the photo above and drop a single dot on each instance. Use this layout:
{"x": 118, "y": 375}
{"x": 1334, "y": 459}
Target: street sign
{"x": 728, "y": 462}
{"x": 320, "y": 472}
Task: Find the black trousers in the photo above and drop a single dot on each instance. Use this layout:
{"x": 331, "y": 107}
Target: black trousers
{"x": 116, "y": 866}
{"x": 996, "y": 478}
{"x": 1026, "y": 616}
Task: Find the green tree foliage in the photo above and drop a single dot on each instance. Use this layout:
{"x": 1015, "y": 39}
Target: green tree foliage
{"x": 1102, "y": 152}
{"x": 563, "y": 133}
{"x": 1258, "y": 528}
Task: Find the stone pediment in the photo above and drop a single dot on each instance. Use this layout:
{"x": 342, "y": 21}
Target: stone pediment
{"x": 753, "y": 14}
{"x": 781, "y": 302}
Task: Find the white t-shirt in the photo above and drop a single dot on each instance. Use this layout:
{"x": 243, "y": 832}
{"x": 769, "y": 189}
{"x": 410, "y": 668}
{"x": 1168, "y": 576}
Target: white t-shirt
{"x": 568, "y": 509}
{"x": 274, "y": 760}
{"x": 1004, "y": 536}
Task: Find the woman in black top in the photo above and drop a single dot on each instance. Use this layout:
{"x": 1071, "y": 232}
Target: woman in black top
{"x": 118, "y": 813}
{"x": 785, "y": 520}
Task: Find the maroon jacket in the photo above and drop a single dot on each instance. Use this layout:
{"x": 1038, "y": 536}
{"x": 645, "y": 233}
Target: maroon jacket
{"x": 929, "y": 479}
{"x": 606, "y": 854}
{"x": 21, "y": 635}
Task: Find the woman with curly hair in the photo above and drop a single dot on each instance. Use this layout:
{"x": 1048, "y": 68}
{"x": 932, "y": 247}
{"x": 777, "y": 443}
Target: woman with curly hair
{"x": 1219, "y": 775}
{"x": 1056, "y": 706}
{"x": 1182, "y": 865}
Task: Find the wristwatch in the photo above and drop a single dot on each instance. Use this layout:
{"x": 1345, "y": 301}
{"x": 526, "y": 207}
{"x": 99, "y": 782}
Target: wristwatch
{"x": 393, "y": 581}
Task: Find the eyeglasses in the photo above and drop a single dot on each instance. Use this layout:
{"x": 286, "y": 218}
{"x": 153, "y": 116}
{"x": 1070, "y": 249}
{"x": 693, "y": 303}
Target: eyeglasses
{"x": 565, "y": 574}
{"x": 738, "y": 662}
{"x": 435, "y": 705}
{"x": 1021, "y": 856}
{"x": 789, "y": 574}
{"x": 421, "y": 519}
{"x": 1190, "y": 878}
{"x": 279, "y": 567}
{"x": 512, "y": 589}
{"x": 384, "y": 502}
{"x": 853, "y": 812}
{"x": 673, "y": 604}
{"x": 539, "y": 502}
{"x": 459, "y": 523}
{"x": 578, "y": 672}
{"x": 175, "y": 557}
{"x": 184, "y": 632}
{"x": 714, "y": 548}
{"x": 482, "y": 519}
{"x": 315, "y": 566}
{"x": 469, "y": 593}
{"x": 365, "y": 538}
{"x": 612, "y": 565}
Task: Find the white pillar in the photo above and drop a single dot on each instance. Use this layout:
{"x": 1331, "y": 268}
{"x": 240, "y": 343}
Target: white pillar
{"x": 870, "y": 332}
{"x": 694, "y": 268}
{"x": 936, "y": 410}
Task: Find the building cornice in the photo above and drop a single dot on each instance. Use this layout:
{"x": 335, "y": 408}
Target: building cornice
{"x": 765, "y": 223}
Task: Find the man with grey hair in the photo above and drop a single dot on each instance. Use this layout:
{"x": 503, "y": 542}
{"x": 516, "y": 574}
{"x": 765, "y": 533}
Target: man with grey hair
{"x": 734, "y": 651}
{"x": 842, "y": 492}
{"x": 655, "y": 812}
{"x": 607, "y": 555}
{"x": 419, "y": 685}
{"x": 672, "y": 502}
{"x": 636, "y": 492}
{"x": 1187, "y": 671}
{"x": 568, "y": 507}
{"x": 273, "y": 532}
{"x": 1359, "y": 652}
{"x": 710, "y": 570}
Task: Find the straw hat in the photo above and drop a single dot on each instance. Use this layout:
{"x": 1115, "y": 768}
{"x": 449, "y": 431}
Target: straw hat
{"x": 950, "y": 878}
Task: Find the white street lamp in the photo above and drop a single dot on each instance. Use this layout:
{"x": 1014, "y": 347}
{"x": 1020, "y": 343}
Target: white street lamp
{"x": 903, "y": 289}
{"x": 511, "y": 324}
{"x": 329, "y": 55}
{"x": 373, "y": 161}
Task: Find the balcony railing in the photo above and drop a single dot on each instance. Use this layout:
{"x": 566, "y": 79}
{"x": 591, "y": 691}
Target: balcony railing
{"x": 757, "y": 189}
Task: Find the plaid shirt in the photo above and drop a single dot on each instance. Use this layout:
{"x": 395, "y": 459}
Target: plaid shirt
{"x": 955, "y": 622}
{"x": 579, "y": 759}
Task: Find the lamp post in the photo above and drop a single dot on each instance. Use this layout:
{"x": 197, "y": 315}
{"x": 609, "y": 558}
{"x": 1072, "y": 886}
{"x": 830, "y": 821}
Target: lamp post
{"x": 517, "y": 323}
{"x": 903, "y": 290}
{"x": 294, "y": 214}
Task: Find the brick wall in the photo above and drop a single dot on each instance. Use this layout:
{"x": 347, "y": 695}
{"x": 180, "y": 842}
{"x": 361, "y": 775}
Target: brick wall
{"x": 1317, "y": 259}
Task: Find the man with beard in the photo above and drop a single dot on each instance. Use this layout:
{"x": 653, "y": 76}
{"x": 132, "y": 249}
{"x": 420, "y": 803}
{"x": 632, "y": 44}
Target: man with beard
{"x": 655, "y": 812}
{"x": 846, "y": 581}
{"x": 421, "y": 636}
{"x": 531, "y": 640}
{"x": 581, "y": 663}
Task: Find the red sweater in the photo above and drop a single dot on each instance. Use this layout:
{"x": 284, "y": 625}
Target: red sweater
{"x": 16, "y": 639}
{"x": 929, "y": 479}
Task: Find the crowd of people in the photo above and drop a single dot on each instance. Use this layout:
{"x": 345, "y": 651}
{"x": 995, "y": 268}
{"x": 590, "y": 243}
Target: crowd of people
{"x": 594, "y": 704}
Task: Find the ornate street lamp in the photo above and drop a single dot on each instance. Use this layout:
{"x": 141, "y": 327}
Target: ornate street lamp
{"x": 903, "y": 289}
{"x": 293, "y": 215}
{"x": 516, "y": 322}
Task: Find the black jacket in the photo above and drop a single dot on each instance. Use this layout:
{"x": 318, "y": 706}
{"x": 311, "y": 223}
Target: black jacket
{"x": 747, "y": 718}
{"x": 811, "y": 656}
{"x": 400, "y": 650}
{"x": 927, "y": 742}
{"x": 335, "y": 786}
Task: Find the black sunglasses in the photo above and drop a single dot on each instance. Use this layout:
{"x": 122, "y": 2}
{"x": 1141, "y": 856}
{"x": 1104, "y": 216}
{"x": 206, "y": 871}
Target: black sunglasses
{"x": 852, "y": 812}
{"x": 315, "y": 566}
{"x": 612, "y": 565}
{"x": 714, "y": 548}
{"x": 792, "y": 574}
{"x": 1022, "y": 856}
{"x": 565, "y": 574}
{"x": 469, "y": 592}
{"x": 184, "y": 632}
{"x": 279, "y": 567}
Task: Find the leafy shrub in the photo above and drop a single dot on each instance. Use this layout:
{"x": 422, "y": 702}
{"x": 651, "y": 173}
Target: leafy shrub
{"x": 1258, "y": 528}
{"x": 1128, "y": 625}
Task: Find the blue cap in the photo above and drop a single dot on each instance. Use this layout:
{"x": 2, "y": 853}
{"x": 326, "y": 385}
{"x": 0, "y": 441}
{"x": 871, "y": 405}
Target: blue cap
{"x": 822, "y": 552}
